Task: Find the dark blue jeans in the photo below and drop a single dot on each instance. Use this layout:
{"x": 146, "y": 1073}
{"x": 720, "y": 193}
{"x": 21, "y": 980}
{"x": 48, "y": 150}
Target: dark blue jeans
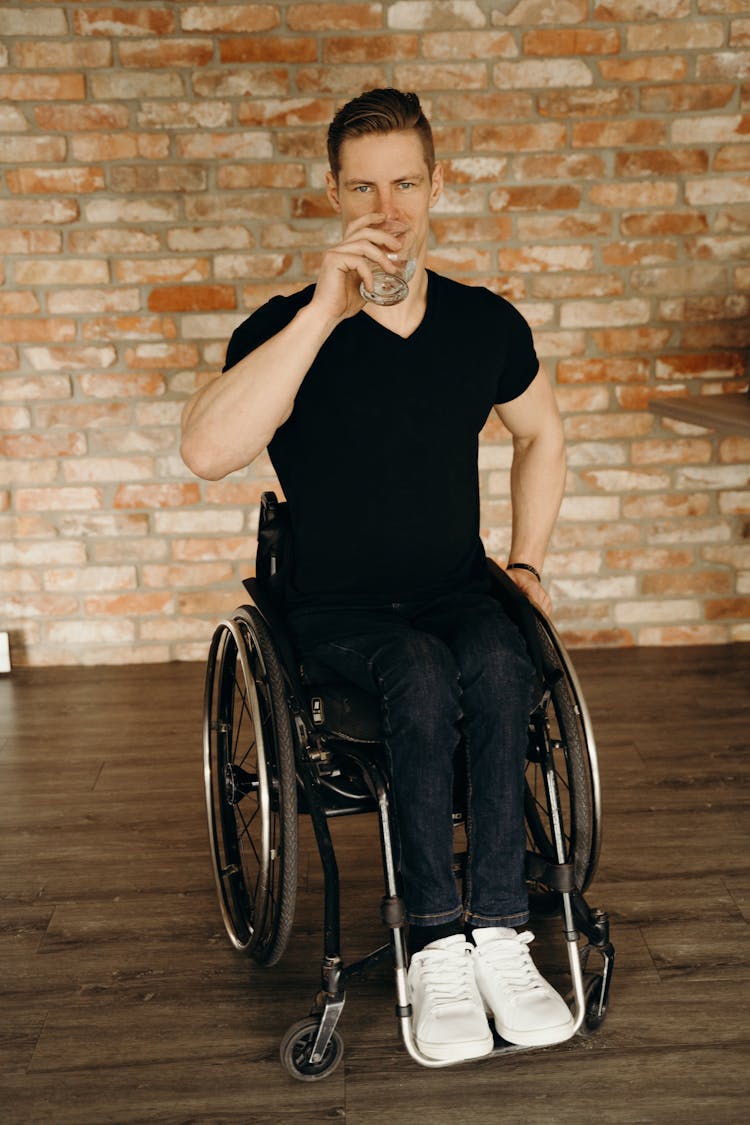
{"x": 450, "y": 671}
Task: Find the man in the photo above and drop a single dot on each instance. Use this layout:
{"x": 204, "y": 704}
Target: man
{"x": 371, "y": 415}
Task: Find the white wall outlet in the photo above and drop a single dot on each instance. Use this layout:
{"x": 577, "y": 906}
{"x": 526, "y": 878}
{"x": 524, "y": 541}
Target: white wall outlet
{"x": 4, "y": 652}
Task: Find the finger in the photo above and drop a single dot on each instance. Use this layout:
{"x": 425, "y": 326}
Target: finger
{"x": 366, "y": 251}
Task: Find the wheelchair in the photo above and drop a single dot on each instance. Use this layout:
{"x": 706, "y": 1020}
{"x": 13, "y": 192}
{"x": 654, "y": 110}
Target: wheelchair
{"x": 276, "y": 746}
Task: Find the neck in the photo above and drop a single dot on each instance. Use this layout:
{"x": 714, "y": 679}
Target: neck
{"x": 408, "y": 314}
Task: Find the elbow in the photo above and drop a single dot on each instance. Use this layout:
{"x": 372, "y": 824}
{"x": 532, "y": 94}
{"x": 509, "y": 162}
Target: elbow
{"x": 199, "y": 460}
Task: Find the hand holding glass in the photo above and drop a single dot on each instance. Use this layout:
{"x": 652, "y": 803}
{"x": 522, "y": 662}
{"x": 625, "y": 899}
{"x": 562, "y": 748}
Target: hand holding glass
{"x": 391, "y": 288}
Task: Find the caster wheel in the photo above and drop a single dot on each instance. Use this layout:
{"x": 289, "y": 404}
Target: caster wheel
{"x": 594, "y": 1017}
{"x": 296, "y": 1047}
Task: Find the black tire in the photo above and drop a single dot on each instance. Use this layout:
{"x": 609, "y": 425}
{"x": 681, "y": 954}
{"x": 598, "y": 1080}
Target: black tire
{"x": 594, "y": 1017}
{"x": 296, "y": 1047}
{"x": 251, "y": 787}
{"x": 566, "y": 726}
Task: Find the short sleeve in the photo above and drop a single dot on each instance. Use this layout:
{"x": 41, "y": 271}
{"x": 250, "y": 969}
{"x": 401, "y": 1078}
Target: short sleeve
{"x": 520, "y": 363}
{"x": 264, "y": 323}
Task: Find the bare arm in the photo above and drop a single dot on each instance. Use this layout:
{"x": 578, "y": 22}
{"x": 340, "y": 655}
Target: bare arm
{"x": 537, "y": 479}
{"x": 229, "y": 421}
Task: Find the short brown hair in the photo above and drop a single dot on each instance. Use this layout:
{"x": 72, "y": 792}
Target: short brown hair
{"x": 379, "y": 111}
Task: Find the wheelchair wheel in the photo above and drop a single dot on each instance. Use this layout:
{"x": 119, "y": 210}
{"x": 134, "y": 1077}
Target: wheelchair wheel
{"x": 296, "y": 1048}
{"x": 251, "y": 787}
{"x": 563, "y": 724}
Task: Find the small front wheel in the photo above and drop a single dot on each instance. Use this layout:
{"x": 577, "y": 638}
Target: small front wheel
{"x": 296, "y": 1048}
{"x": 595, "y": 1011}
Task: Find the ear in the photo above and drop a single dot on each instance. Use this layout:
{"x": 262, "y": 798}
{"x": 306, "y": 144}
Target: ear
{"x": 332, "y": 191}
{"x": 436, "y": 189}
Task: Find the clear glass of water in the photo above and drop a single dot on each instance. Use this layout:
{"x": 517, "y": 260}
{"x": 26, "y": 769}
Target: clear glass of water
{"x": 391, "y": 288}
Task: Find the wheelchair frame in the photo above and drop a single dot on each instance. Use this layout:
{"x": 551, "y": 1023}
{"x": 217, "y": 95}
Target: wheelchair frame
{"x": 319, "y": 750}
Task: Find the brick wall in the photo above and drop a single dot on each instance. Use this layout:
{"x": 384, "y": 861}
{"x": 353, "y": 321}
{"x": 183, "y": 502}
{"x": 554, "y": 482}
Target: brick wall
{"x": 162, "y": 175}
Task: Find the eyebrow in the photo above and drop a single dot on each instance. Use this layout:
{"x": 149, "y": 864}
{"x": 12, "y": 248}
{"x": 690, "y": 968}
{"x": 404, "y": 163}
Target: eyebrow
{"x": 415, "y": 177}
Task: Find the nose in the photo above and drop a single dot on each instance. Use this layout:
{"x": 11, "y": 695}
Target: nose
{"x": 388, "y": 203}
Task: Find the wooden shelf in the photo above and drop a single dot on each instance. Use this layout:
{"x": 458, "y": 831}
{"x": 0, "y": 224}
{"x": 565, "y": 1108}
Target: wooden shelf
{"x": 727, "y": 412}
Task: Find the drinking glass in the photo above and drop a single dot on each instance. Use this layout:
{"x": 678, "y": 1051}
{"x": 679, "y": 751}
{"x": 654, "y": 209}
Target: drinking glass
{"x": 391, "y": 288}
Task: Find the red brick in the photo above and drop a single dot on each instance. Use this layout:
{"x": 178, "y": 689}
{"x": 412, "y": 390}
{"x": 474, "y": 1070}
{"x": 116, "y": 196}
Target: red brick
{"x": 613, "y": 370}
{"x": 540, "y": 198}
{"x": 517, "y": 138}
{"x": 22, "y": 301}
{"x": 685, "y": 98}
{"x": 42, "y": 87}
{"x": 613, "y": 134}
{"x": 612, "y": 101}
{"x": 78, "y": 55}
{"x": 57, "y": 499}
{"x": 230, "y": 17}
{"x": 190, "y": 298}
{"x": 130, "y": 385}
{"x": 725, "y": 608}
{"x": 36, "y": 329}
{"x": 120, "y": 22}
{"x": 135, "y": 605}
{"x": 129, "y": 328}
{"x": 373, "y": 48}
{"x": 662, "y": 68}
{"x": 467, "y": 45}
{"x": 100, "y": 117}
{"x": 535, "y": 74}
{"x": 269, "y": 49}
{"x": 30, "y": 242}
{"x": 30, "y": 181}
{"x": 639, "y": 253}
{"x": 161, "y": 356}
{"x": 571, "y": 41}
{"x": 470, "y": 229}
{"x": 8, "y": 358}
{"x": 286, "y": 111}
{"x": 664, "y": 223}
{"x": 622, "y": 10}
{"x": 167, "y": 52}
{"x": 156, "y": 495}
{"x": 287, "y": 175}
{"x": 700, "y": 582}
{"x": 339, "y": 80}
{"x": 327, "y": 17}
{"x": 623, "y": 340}
{"x": 492, "y": 107}
{"x": 21, "y": 150}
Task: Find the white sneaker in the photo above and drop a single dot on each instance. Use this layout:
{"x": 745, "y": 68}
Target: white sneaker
{"x": 526, "y": 1009}
{"x": 448, "y": 1016}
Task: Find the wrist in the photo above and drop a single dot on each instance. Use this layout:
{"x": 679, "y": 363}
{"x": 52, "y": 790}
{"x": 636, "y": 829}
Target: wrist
{"x": 525, "y": 566}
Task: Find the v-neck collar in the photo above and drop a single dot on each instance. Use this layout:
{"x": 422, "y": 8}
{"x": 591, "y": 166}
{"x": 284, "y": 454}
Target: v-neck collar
{"x": 429, "y": 302}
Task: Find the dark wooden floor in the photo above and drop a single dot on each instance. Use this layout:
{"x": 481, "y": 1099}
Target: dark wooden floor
{"x": 122, "y": 1000}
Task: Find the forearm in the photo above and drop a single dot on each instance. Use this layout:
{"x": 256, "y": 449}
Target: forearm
{"x": 537, "y": 483}
{"x": 229, "y": 421}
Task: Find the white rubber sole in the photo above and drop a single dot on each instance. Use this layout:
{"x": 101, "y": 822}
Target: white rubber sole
{"x": 456, "y": 1052}
{"x": 537, "y": 1037}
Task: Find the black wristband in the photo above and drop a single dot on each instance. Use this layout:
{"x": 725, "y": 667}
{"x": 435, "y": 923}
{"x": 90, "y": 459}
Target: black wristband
{"x": 525, "y": 566}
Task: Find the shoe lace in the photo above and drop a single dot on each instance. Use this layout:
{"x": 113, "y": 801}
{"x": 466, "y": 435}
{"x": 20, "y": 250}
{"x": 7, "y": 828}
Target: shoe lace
{"x": 448, "y": 977}
{"x": 510, "y": 959}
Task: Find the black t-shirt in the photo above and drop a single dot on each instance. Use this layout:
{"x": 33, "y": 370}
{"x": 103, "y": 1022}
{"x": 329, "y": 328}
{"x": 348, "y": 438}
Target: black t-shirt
{"x": 378, "y": 459}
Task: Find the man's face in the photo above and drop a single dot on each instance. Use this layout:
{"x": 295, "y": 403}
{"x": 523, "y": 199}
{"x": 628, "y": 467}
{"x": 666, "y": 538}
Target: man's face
{"x": 386, "y": 172}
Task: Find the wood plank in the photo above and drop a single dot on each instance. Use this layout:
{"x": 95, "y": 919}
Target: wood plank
{"x": 124, "y": 1002}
